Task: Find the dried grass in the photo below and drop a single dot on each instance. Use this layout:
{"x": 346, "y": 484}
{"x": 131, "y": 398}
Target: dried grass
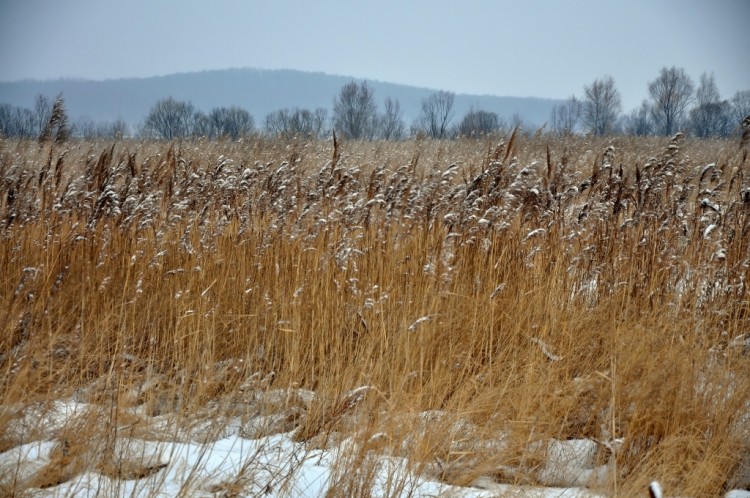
{"x": 575, "y": 288}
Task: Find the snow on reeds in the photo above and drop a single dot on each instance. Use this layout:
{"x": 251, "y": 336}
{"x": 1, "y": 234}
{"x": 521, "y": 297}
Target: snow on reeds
{"x": 533, "y": 293}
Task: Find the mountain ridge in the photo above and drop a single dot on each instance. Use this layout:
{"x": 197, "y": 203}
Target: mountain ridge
{"x": 260, "y": 91}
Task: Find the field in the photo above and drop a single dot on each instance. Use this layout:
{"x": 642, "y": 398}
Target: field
{"x": 510, "y": 314}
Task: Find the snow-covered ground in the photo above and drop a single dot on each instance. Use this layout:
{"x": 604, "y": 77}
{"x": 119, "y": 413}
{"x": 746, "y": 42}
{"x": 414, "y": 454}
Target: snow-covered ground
{"x": 271, "y": 466}
{"x": 239, "y": 460}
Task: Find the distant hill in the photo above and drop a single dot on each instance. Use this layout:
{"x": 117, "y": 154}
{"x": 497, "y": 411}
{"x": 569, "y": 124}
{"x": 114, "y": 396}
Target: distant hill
{"x": 257, "y": 90}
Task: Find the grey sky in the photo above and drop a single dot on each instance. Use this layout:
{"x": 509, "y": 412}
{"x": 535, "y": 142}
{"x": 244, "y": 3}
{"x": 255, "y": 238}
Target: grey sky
{"x": 539, "y": 48}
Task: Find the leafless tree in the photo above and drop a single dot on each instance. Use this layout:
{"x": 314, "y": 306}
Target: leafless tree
{"x": 170, "y": 119}
{"x": 711, "y": 116}
{"x": 308, "y": 123}
{"x": 391, "y": 122}
{"x": 296, "y": 122}
{"x": 477, "y": 123}
{"x": 671, "y": 93}
{"x": 516, "y": 121}
{"x": 112, "y": 129}
{"x": 201, "y": 126}
{"x": 437, "y": 113}
{"x": 16, "y": 122}
{"x": 42, "y": 112}
{"x": 232, "y": 122}
{"x": 85, "y": 128}
{"x": 354, "y": 111}
{"x": 320, "y": 124}
{"x": 564, "y": 117}
{"x": 6, "y": 120}
{"x": 601, "y": 106}
{"x": 276, "y": 123}
{"x": 639, "y": 123}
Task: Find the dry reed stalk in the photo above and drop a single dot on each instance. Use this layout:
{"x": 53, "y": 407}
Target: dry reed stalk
{"x": 530, "y": 300}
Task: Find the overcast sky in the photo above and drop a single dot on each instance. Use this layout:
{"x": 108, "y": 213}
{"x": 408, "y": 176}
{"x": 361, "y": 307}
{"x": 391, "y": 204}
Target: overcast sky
{"x": 539, "y": 48}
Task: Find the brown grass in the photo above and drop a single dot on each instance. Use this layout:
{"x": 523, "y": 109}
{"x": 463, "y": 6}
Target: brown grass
{"x": 553, "y": 288}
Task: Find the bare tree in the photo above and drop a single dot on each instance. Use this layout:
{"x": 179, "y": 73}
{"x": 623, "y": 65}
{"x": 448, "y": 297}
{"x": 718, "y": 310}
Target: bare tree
{"x": 437, "y": 113}
{"x": 391, "y": 122}
{"x": 85, "y": 128}
{"x": 477, "y": 123}
{"x": 201, "y": 126}
{"x": 354, "y": 111}
{"x": 671, "y": 93}
{"x": 711, "y": 116}
{"x": 320, "y": 122}
{"x": 112, "y": 129}
{"x": 601, "y": 106}
{"x": 232, "y": 122}
{"x": 308, "y": 123}
{"x": 42, "y": 112}
{"x": 6, "y": 120}
{"x": 276, "y": 123}
{"x": 296, "y": 122}
{"x": 120, "y": 128}
{"x": 564, "y": 117}
{"x": 516, "y": 121}
{"x": 16, "y": 122}
{"x": 170, "y": 119}
{"x": 639, "y": 123}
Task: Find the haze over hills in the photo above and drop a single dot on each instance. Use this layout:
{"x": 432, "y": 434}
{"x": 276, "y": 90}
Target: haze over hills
{"x": 259, "y": 91}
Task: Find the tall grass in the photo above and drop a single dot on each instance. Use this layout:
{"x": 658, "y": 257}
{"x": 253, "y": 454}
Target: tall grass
{"x": 485, "y": 298}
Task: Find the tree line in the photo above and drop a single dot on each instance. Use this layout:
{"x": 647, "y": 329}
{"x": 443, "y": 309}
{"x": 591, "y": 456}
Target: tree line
{"x": 674, "y": 104}
{"x": 21, "y": 122}
{"x": 355, "y": 115}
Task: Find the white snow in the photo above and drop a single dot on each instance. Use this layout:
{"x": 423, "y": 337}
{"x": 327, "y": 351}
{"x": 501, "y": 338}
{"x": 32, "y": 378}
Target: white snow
{"x": 273, "y": 466}
{"x": 655, "y": 490}
{"x": 572, "y": 462}
{"x": 242, "y": 463}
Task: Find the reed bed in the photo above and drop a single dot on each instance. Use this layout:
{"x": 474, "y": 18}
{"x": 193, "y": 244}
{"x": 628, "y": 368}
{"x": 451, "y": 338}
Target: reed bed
{"x": 460, "y": 304}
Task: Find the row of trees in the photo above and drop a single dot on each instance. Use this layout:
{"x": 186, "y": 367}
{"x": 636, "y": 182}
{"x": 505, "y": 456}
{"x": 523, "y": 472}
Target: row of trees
{"x": 48, "y": 121}
{"x": 674, "y": 104}
{"x": 20, "y": 122}
{"x": 167, "y": 119}
{"x": 355, "y": 115}
{"x": 170, "y": 119}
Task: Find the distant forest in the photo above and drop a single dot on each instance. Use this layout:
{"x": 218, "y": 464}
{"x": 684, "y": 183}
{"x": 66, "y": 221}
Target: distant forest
{"x": 238, "y": 102}
{"x": 123, "y": 105}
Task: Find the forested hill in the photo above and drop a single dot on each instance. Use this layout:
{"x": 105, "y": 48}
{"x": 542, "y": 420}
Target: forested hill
{"x": 258, "y": 91}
